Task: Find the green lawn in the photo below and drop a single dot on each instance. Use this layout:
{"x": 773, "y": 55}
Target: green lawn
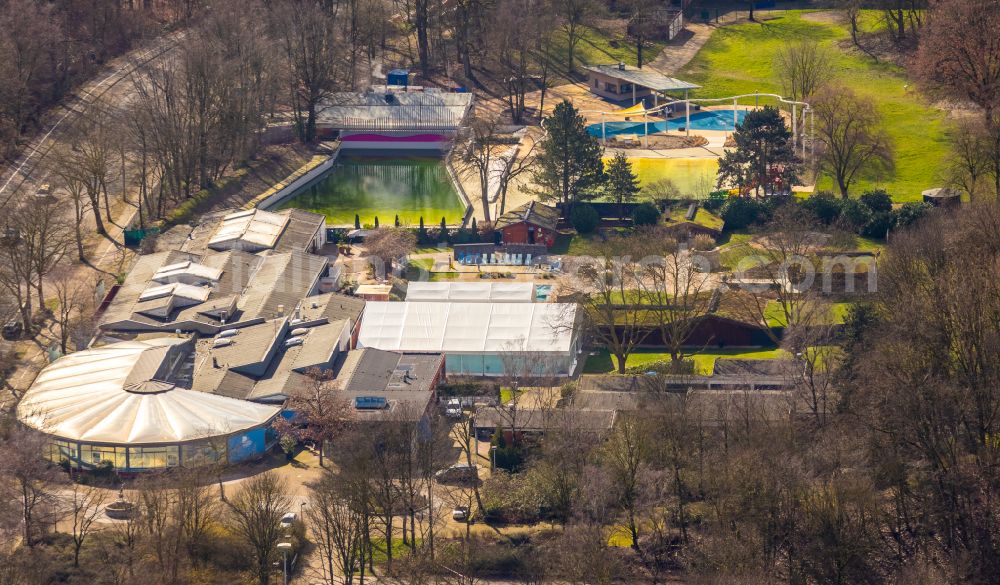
{"x": 737, "y": 248}
{"x": 597, "y": 46}
{"x": 738, "y": 59}
{"x": 703, "y": 218}
{"x": 603, "y": 362}
{"x": 775, "y": 316}
{"x": 573, "y": 245}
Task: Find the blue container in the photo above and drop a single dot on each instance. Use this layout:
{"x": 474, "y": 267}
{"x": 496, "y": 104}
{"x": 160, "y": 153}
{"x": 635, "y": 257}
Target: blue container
{"x": 399, "y": 77}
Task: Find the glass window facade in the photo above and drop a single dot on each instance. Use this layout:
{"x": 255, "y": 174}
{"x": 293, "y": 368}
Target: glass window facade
{"x": 153, "y": 457}
{"x": 236, "y": 448}
{"x": 95, "y": 454}
{"x": 493, "y": 364}
{"x": 202, "y": 453}
{"x": 56, "y": 451}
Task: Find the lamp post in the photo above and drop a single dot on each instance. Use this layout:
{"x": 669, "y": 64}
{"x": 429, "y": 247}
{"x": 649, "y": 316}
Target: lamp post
{"x": 284, "y": 547}
{"x": 493, "y": 457}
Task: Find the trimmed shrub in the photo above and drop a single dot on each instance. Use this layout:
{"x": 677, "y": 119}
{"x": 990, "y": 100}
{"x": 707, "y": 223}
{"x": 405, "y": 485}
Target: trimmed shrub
{"x": 824, "y": 205}
{"x": 584, "y": 218}
{"x": 877, "y": 200}
{"x": 740, "y": 212}
{"x": 645, "y": 214}
{"x": 880, "y": 223}
{"x": 909, "y": 214}
{"x": 854, "y": 216}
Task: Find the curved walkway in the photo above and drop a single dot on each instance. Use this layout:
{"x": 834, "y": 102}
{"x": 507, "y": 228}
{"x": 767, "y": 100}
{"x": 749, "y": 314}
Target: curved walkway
{"x": 682, "y": 49}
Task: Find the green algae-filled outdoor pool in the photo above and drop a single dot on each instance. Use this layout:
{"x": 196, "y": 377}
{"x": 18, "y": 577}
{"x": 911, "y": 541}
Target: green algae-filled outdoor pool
{"x": 411, "y": 186}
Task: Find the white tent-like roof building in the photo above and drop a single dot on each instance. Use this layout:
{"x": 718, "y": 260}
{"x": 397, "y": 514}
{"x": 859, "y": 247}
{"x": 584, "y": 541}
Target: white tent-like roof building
{"x": 471, "y": 292}
{"x": 476, "y": 338}
{"x": 121, "y": 396}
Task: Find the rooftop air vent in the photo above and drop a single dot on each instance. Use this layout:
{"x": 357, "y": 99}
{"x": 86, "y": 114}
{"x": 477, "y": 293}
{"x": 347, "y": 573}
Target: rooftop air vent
{"x": 293, "y": 341}
{"x": 299, "y": 331}
{"x": 228, "y": 333}
{"x": 223, "y": 342}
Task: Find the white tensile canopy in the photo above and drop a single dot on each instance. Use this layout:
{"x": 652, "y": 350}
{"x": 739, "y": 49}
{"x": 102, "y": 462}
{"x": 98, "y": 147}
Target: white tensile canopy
{"x": 471, "y": 292}
{"x": 110, "y": 395}
{"x": 469, "y": 328}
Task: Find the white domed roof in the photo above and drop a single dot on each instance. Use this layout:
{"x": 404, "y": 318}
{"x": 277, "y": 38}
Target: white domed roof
{"x": 110, "y": 395}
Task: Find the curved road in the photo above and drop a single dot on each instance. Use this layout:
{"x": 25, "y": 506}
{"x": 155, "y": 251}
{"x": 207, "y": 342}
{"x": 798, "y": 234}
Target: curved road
{"x": 20, "y": 176}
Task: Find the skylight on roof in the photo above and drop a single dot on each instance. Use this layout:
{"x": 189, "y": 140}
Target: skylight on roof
{"x": 253, "y": 229}
{"x": 176, "y": 289}
{"x": 187, "y": 273}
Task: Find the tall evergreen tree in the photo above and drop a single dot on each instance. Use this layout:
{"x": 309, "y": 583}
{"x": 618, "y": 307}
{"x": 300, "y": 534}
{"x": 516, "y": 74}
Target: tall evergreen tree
{"x": 622, "y": 184}
{"x": 569, "y": 167}
{"x": 764, "y": 159}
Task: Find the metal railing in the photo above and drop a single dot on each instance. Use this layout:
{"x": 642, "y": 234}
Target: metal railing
{"x": 799, "y": 137}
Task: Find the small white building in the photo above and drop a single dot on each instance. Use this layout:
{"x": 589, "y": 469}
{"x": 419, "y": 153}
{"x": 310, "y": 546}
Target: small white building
{"x": 479, "y": 338}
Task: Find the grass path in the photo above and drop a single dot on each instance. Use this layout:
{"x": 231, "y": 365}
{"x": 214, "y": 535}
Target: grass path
{"x": 739, "y": 59}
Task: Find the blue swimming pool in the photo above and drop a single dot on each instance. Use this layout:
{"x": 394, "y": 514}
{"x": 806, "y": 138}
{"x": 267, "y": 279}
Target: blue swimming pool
{"x": 702, "y": 120}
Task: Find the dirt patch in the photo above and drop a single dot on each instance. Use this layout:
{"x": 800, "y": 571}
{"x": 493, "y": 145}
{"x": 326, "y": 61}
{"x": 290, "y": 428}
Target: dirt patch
{"x": 881, "y": 47}
{"x": 664, "y": 142}
{"x": 824, "y": 17}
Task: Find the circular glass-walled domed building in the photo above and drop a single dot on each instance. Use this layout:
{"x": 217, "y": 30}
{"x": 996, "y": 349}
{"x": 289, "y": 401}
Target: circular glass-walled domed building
{"x": 121, "y": 404}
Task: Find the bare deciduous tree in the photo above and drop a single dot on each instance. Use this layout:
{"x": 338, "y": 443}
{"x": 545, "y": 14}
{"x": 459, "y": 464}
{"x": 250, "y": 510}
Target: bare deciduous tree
{"x": 337, "y": 521}
{"x": 85, "y": 506}
{"x": 320, "y": 411}
{"x": 969, "y": 160}
{"x": 30, "y": 478}
{"x": 89, "y": 162}
{"x": 255, "y": 512}
{"x": 803, "y": 67}
{"x": 675, "y": 286}
{"x": 386, "y": 245}
{"x": 573, "y": 15}
{"x": 959, "y": 57}
{"x": 854, "y": 143}
{"x": 73, "y": 314}
{"x": 308, "y": 33}
{"x": 608, "y": 292}
{"x": 625, "y": 452}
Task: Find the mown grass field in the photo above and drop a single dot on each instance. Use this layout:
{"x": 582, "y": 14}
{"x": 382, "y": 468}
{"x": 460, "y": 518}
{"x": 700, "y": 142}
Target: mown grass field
{"x": 739, "y": 59}
{"x": 603, "y": 363}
